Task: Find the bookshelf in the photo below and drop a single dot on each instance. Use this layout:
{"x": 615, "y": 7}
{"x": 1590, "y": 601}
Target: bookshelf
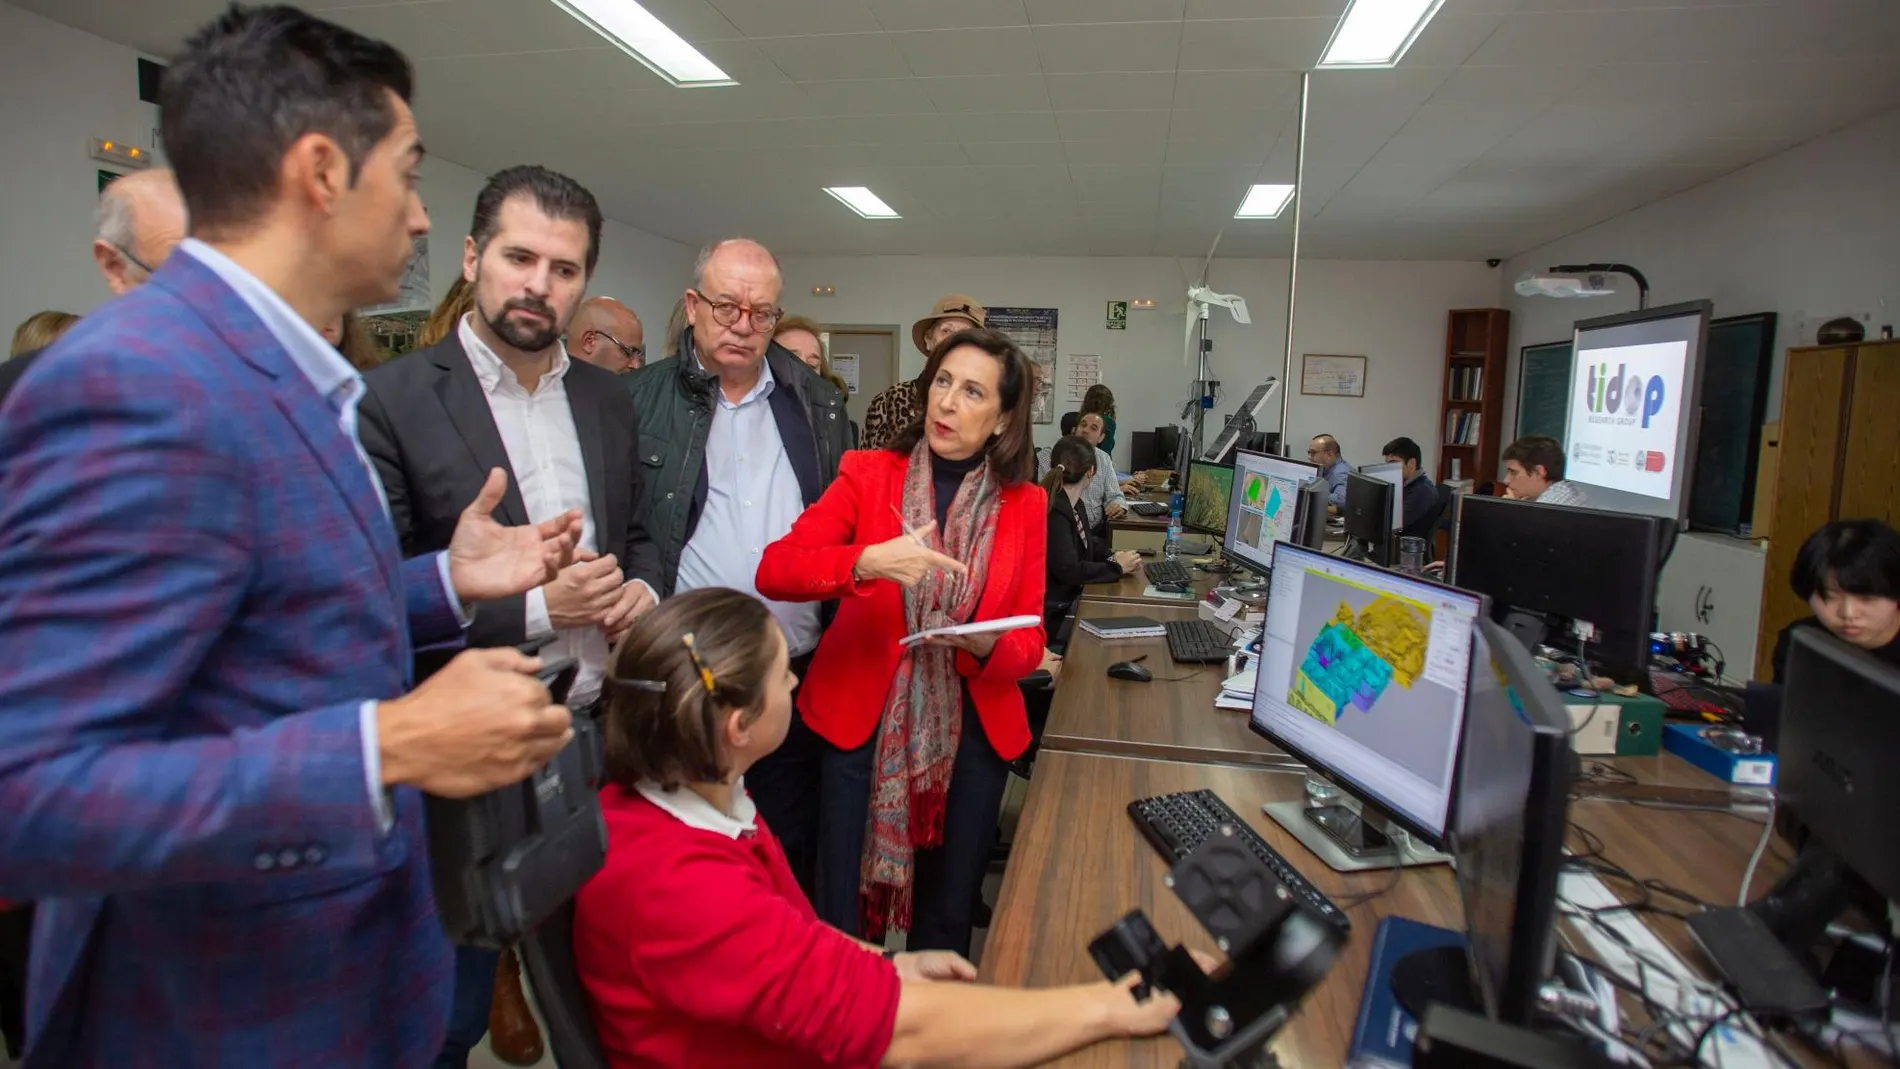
{"x": 1471, "y": 399}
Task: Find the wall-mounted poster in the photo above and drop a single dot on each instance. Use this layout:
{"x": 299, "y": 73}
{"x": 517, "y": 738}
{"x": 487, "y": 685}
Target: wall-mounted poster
{"x": 1085, "y": 370}
{"x": 1333, "y": 376}
{"x": 1034, "y": 331}
{"x": 846, "y": 365}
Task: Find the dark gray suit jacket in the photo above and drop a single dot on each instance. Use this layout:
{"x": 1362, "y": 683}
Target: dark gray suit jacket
{"x": 426, "y": 424}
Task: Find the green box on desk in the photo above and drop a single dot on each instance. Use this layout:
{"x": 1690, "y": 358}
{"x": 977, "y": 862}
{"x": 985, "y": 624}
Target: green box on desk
{"x": 1637, "y": 731}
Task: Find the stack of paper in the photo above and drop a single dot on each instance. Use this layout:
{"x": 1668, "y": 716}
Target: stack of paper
{"x": 1123, "y": 627}
{"x": 1236, "y": 692}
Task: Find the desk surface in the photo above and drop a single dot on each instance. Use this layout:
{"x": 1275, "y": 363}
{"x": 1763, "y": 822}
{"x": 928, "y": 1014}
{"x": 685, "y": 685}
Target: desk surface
{"x": 1129, "y": 591}
{"x": 1077, "y": 865}
{"x": 1171, "y": 719}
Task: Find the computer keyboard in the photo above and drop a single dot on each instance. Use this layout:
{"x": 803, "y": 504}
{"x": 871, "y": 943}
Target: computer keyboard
{"x": 1147, "y": 508}
{"x": 1168, "y": 571}
{"x": 1177, "y": 823}
{"x": 1197, "y": 642}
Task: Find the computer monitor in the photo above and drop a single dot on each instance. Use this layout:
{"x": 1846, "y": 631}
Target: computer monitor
{"x": 1310, "y": 521}
{"x": 1263, "y": 508}
{"x": 1363, "y": 677}
{"x": 1167, "y": 446}
{"x": 1209, "y": 487}
{"x": 1508, "y": 829}
{"x": 1393, "y": 473}
{"x": 1839, "y": 765}
{"x": 1568, "y": 563}
{"x": 1368, "y": 514}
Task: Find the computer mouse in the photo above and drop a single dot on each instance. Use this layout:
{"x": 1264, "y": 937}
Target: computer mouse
{"x": 1174, "y": 588}
{"x": 1130, "y": 671}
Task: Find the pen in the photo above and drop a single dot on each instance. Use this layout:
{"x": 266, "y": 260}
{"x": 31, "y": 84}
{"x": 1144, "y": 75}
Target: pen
{"x": 906, "y": 530}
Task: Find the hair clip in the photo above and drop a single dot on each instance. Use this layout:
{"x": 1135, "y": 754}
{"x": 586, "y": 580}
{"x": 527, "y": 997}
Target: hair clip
{"x": 705, "y": 674}
{"x": 650, "y": 686}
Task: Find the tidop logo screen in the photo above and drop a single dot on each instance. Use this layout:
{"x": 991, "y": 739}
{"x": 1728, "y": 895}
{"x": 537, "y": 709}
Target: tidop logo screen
{"x": 1625, "y": 407}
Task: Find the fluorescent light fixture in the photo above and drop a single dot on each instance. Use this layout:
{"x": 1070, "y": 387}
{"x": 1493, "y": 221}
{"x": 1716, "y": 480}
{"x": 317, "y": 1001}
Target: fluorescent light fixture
{"x": 863, "y": 201}
{"x": 1376, "y": 33}
{"x": 1265, "y": 202}
{"x": 635, "y": 31}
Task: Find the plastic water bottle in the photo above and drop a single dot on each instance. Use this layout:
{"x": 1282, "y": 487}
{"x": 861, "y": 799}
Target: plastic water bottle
{"x": 1173, "y": 546}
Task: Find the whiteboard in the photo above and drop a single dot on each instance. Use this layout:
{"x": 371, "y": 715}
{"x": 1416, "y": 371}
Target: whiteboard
{"x": 1333, "y": 376}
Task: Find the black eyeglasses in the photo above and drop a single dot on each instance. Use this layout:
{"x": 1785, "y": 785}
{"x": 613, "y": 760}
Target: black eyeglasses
{"x": 726, "y": 313}
{"x": 129, "y": 258}
{"x": 634, "y": 352}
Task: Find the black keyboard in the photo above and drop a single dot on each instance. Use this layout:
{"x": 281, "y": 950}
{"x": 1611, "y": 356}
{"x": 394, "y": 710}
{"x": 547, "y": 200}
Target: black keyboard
{"x": 1197, "y": 642}
{"x": 1168, "y": 571}
{"x": 1177, "y": 823}
{"x": 1147, "y": 508}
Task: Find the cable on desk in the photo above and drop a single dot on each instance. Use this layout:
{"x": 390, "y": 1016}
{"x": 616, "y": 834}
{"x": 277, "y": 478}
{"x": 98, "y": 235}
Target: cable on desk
{"x": 1702, "y": 1037}
{"x": 1351, "y": 902}
{"x": 1761, "y": 847}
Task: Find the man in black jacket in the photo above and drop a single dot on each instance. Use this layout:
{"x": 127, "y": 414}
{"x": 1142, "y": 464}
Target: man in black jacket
{"x": 502, "y": 392}
{"x": 737, "y": 437}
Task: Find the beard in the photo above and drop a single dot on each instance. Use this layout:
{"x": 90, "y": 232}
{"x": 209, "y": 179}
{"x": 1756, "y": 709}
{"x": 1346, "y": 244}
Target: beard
{"x": 523, "y": 336}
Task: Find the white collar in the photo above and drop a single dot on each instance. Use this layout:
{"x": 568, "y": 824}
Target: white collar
{"x": 690, "y": 809}
{"x": 488, "y": 366}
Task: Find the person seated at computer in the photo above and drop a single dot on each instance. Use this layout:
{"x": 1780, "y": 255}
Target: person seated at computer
{"x": 1104, "y": 493}
{"x": 693, "y": 942}
{"x": 1421, "y": 503}
{"x": 1323, "y": 450}
{"x": 1534, "y": 471}
{"x": 1848, "y": 572}
{"x": 1075, "y": 556}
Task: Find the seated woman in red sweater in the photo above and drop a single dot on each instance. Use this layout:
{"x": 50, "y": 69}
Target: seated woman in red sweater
{"x": 695, "y": 944}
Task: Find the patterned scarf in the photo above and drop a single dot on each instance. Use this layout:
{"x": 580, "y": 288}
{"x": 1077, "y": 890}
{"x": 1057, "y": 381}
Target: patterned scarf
{"x": 923, "y": 716}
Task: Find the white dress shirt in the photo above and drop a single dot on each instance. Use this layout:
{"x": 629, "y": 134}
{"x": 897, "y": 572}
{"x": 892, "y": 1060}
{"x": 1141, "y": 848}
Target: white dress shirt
{"x": 752, "y": 498}
{"x": 341, "y": 387}
{"x": 544, "y": 450}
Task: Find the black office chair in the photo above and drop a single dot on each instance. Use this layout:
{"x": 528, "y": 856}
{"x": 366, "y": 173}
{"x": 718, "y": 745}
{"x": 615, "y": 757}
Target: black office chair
{"x": 547, "y": 953}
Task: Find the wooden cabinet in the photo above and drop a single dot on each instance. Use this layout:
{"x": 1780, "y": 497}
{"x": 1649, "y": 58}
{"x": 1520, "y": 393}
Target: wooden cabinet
{"x": 1471, "y": 400}
{"x": 1839, "y": 458}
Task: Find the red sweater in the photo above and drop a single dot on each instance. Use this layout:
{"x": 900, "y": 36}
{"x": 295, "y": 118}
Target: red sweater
{"x": 843, "y": 694}
{"x": 698, "y": 950}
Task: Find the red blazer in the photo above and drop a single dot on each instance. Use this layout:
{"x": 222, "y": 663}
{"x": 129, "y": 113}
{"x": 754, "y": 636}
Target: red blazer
{"x": 843, "y": 694}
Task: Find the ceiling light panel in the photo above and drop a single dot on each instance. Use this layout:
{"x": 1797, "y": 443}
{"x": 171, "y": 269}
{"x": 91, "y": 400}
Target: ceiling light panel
{"x": 1265, "y": 202}
{"x": 861, "y": 200}
{"x": 635, "y": 31}
{"x": 1376, "y": 33}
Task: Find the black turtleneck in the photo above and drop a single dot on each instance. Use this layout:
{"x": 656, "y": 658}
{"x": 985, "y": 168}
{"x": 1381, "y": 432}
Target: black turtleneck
{"x": 946, "y": 477}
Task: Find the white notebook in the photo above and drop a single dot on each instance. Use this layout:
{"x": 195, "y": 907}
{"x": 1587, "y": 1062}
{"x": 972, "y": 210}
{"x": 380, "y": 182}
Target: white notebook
{"x": 1007, "y": 623}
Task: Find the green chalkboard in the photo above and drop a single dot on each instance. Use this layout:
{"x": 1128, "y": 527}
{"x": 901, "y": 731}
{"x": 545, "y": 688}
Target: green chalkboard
{"x": 1543, "y": 389}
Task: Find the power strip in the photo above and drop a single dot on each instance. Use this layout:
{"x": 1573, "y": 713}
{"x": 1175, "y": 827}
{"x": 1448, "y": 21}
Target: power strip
{"x": 1734, "y": 1044}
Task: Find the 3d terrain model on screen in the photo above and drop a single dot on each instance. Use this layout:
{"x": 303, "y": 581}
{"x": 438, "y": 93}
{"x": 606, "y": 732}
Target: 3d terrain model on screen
{"x": 1354, "y": 658}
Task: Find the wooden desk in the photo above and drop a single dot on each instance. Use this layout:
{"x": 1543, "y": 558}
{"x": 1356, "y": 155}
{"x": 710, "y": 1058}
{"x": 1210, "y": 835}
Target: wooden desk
{"x": 1169, "y": 719}
{"x": 1077, "y": 865}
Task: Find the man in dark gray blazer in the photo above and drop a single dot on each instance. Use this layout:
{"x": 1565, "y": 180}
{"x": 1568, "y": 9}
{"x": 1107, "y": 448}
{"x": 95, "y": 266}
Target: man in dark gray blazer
{"x": 502, "y": 392}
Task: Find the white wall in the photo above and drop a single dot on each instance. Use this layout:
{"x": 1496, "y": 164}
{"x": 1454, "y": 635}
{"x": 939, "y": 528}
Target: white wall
{"x": 1809, "y": 234}
{"x": 64, "y": 87}
{"x": 1391, "y": 313}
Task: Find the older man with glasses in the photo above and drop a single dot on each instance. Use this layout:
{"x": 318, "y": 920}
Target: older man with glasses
{"x": 607, "y": 334}
{"x": 737, "y": 438}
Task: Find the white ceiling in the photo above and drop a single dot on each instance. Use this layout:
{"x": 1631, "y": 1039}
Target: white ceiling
{"x": 1120, "y": 127}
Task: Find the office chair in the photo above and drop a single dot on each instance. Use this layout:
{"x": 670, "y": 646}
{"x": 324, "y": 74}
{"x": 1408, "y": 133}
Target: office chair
{"x": 554, "y": 978}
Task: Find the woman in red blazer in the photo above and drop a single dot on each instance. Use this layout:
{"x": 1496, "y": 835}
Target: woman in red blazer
{"x": 945, "y": 526}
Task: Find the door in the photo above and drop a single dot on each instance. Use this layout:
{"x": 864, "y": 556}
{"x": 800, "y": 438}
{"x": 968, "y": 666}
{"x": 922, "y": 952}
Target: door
{"x": 867, "y": 359}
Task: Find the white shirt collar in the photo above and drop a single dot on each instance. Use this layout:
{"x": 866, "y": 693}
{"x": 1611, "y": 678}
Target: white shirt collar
{"x": 488, "y": 367}
{"x": 696, "y": 812}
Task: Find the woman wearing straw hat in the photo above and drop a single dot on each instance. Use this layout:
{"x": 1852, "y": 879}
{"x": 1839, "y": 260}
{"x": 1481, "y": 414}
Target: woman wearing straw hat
{"x": 899, "y": 404}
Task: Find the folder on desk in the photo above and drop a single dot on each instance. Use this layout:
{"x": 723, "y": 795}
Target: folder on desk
{"x": 1123, "y": 627}
{"x": 1382, "y": 1036}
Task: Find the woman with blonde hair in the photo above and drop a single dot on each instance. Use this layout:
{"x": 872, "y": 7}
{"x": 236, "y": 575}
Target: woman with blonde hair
{"x": 801, "y": 337}
{"x": 448, "y": 313}
{"x": 40, "y": 330}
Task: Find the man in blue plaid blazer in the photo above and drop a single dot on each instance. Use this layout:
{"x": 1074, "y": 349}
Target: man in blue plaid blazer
{"x": 209, "y": 766}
